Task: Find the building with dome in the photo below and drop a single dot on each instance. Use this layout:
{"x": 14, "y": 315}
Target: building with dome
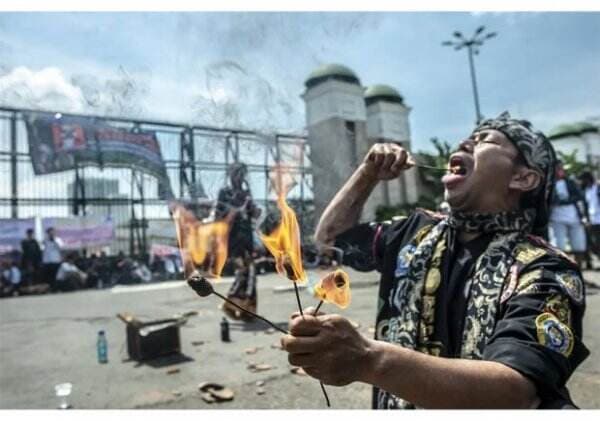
{"x": 344, "y": 119}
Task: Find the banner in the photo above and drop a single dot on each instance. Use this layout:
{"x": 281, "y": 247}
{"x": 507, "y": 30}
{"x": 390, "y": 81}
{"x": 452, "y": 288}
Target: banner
{"x": 12, "y": 232}
{"x": 163, "y": 250}
{"x": 60, "y": 142}
{"x": 82, "y": 232}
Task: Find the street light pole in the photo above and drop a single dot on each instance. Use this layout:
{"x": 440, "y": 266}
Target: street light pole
{"x": 472, "y": 45}
{"x": 474, "y": 83}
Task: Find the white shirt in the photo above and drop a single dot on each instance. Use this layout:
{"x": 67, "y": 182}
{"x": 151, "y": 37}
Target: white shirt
{"x": 51, "y": 253}
{"x": 591, "y": 197}
{"x": 65, "y": 269}
{"x": 13, "y": 274}
{"x": 563, "y": 213}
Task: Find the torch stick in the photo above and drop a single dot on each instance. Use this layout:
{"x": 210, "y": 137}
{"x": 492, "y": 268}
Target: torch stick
{"x": 204, "y": 288}
{"x": 290, "y": 274}
{"x": 298, "y": 298}
{"x": 318, "y": 307}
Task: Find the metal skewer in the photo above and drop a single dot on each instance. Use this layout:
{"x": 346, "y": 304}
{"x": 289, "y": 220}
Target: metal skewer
{"x": 433, "y": 168}
{"x": 410, "y": 161}
{"x": 204, "y": 288}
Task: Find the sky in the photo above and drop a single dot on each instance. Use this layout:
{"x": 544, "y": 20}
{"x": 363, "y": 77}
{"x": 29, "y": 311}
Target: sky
{"x": 248, "y": 69}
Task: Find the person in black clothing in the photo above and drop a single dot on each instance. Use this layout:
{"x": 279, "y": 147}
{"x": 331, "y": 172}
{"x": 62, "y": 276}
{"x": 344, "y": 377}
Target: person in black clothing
{"x": 31, "y": 259}
{"x": 475, "y": 310}
{"x": 235, "y": 202}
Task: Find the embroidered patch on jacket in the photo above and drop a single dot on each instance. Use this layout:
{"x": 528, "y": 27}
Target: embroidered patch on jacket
{"x": 527, "y": 253}
{"x": 527, "y": 282}
{"x": 571, "y": 282}
{"x": 539, "y": 241}
{"x": 559, "y": 306}
{"x": 553, "y": 334}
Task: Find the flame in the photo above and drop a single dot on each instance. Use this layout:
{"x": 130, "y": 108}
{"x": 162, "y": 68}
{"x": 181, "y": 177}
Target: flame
{"x": 203, "y": 246}
{"x": 284, "y": 241}
{"x": 334, "y": 288}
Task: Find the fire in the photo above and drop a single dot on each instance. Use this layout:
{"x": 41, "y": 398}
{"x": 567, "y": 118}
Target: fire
{"x": 203, "y": 246}
{"x": 284, "y": 241}
{"x": 334, "y": 288}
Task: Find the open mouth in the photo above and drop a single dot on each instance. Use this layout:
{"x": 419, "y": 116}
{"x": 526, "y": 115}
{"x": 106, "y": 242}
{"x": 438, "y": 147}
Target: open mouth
{"x": 457, "y": 171}
{"x": 457, "y": 166}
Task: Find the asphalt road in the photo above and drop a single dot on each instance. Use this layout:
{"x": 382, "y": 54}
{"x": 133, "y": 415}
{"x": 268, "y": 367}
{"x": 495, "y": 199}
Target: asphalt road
{"x": 50, "y": 339}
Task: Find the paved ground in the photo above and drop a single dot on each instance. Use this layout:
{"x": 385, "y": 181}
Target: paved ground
{"x": 45, "y": 340}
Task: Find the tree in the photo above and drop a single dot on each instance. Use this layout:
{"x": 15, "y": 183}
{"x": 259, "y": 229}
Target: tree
{"x": 572, "y": 165}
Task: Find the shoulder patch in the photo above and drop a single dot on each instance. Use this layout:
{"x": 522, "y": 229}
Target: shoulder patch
{"x": 553, "y": 334}
{"x": 559, "y": 306}
{"x": 571, "y": 282}
{"x": 527, "y": 253}
{"x": 540, "y": 242}
{"x": 527, "y": 281}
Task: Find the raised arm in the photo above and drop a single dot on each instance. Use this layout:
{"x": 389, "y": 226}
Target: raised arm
{"x": 384, "y": 161}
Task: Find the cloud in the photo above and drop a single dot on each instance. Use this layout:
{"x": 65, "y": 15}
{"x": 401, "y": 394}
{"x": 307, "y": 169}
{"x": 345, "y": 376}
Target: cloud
{"x": 45, "y": 89}
{"x": 122, "y": 94}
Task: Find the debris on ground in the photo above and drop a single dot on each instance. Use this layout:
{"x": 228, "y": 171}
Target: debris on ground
{"x": 276, "y": 345}
{"x": 255, "y": 368}
{"x": 354, "y": 324}
{"x": 371, "y": 329}
{"x": 270, "y": 331}
{"x": 298, "y": 370}
{"x": 260, "y": 383}
{"x": 253, "y": 350}
{"x": 176, "y": 393}
{"x": 215, "y": 392}
{"x": 173, "y": 370}
{"x": 260, "y": 391}
{"x": 197, "y": 343}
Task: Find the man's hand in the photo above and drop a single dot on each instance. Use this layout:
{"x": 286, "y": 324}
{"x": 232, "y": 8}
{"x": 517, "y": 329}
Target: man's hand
{"x": 328, "y": 348}
{"x": 385, "y": 161}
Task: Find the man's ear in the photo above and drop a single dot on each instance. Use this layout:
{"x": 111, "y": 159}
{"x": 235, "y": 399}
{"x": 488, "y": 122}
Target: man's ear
{"x": 525, "y": 179}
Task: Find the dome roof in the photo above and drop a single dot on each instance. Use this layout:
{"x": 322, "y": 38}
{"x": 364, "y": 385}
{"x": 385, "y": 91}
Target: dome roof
{"x": 382, "y": 93}
{"x": 574, "y": 129}
{"x": 331, "y": 71}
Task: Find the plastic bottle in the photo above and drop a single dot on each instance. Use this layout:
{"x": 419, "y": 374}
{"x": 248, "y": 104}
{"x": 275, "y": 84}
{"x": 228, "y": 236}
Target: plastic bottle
{"x": 102, "y": 348}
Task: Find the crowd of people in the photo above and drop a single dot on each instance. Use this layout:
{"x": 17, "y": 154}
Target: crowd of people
{"x": 48, "y": 267}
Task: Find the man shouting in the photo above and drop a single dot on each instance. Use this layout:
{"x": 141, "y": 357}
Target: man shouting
{"x": 475, "y": 310}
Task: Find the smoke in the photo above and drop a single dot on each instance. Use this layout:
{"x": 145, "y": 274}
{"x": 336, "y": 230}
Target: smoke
{"x": 236, "y": 97}
{"x": 260, "y": 63}
{"x": 123, "y": 95}
{"x": 50, "y": 89}
{"x": 241, "y": 70}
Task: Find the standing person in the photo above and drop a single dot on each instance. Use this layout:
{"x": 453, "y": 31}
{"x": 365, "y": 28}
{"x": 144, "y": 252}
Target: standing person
{"x": 31, "y": 258}
{"x": 592, "y": 199}
{"x": 568, "y": 215}
{"x": 51, "y": 256}
{"x": 474, "y": 310}
{"x": 237, "y": 198}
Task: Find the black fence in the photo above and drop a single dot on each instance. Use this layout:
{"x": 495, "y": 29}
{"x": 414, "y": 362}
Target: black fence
{"x": 196, "y": 159}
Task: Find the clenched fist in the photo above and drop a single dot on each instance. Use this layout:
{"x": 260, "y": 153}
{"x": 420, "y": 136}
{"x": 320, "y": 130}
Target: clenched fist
{"x": 385, "y": 161}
